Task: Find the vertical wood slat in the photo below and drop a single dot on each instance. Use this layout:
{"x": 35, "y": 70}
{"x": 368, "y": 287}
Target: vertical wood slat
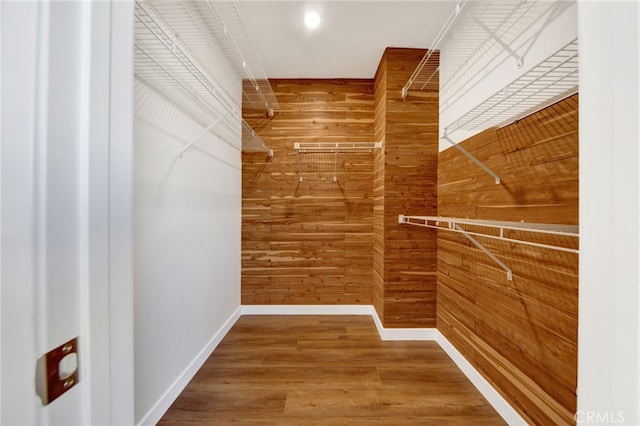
{"x": 521, "y": 335}
{"x": 405, "y": 181}
{"x": 309, "y": 242}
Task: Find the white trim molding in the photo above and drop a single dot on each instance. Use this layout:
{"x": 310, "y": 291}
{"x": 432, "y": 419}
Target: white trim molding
{"x": 306, "y": 309}
{"x": 494, "y": 398}
{"x": 402, "y": 333}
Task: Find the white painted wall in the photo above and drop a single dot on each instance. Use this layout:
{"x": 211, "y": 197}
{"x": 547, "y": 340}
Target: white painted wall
{"x": 187, "y": 247}
{"x": 609, "y": 297}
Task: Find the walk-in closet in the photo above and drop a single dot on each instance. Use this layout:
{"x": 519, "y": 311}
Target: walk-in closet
{"x": 323, "y": 212}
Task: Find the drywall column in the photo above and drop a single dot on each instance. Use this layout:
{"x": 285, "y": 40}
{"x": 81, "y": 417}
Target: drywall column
{"x": 608, "y": 330}
{"x": 405, "y": 182}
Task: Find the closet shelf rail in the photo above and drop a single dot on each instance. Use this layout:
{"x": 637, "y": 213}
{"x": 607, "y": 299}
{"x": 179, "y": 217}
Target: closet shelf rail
{"x": 302, "y": 148}
{"x": 512, "y": 232}
{"x": 164, "y": 63}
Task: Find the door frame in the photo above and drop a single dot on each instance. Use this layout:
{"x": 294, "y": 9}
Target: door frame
{"x": 108, "y": 293}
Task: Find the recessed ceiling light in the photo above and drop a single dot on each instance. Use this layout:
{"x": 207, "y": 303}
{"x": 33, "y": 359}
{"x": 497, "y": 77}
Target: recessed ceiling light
{"x": 311, "y": 19}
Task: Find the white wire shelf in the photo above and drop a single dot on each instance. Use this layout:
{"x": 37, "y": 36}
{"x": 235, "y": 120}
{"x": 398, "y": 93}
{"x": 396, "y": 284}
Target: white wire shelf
{"x": 165, "y": 63}
{"x": 334, "y": 148}
{"x": 499, "y": 230}
{"x": 556, "y": 76}
{"x": 476, "y": 36}
{"x": 426, "y": 74}
{"x": 209, "y": 25}
{"x": 303, "y": 147}
{"x": 475, "y": 40}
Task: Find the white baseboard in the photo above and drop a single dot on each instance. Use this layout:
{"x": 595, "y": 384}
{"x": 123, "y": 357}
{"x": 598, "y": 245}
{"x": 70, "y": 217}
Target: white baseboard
{"x": 494, "y": 398}
{"x": 306, "y": 309}
{"x": 402, "y": 333}
{"x": 156, "y": 412}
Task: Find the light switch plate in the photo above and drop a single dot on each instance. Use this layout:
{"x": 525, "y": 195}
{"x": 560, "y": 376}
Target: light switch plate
{"x": 57, "y": 371}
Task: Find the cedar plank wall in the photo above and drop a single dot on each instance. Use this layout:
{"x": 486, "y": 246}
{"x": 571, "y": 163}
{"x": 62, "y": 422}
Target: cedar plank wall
{"x": 309, "y": 242}
{"x": 521, "y": 335}
{"x": 380, "y": 96}
{"x": 405, "y": 183}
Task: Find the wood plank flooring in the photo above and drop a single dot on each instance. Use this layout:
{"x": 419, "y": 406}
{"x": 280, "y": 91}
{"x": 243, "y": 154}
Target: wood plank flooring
{"x": 326, "y": 370}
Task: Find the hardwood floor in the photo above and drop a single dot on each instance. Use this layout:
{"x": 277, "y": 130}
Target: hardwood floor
{"x": 321, "y": 370}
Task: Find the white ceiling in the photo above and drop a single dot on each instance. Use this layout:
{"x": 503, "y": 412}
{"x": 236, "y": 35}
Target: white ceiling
{"x": 350, "y": 39}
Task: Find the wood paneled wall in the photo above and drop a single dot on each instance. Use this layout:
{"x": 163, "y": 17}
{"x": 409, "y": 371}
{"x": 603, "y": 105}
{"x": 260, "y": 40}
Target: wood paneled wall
{"x": 380, "y": 125}
{"x": 309, "y": 242}
{"x": 521, "y": 334}
{"x": 405, "y": 183}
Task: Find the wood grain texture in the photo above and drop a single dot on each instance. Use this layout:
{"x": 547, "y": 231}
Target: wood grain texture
{"x": 405, "y": 181}
{"x": 309, "y": 242}
{"x": 521, "y": 334}
{"x": 322, "y": 370}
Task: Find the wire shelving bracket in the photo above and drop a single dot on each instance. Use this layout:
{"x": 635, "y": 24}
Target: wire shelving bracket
{"x": 207, "y": 130}
{"x": 473, "y": 158}
{"x": 251, "y": 141}
{"x": 519, "y": 59}
{"x": 456, "y": 225}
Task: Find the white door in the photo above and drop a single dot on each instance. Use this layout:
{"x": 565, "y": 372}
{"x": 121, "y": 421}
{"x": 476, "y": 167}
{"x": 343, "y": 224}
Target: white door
{"x": 65, "y": 167}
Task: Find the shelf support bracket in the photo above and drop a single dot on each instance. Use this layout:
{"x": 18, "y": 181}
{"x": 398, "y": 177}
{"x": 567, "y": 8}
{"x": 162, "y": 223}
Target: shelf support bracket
{"x": 211, "y": 126}
{"x": 484, "y": 250}
{"x": 300, "y": 178}
{"x": 519, "y": 59}
{"x": 335, "y": 165}
{"x": 472, "y": 158}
